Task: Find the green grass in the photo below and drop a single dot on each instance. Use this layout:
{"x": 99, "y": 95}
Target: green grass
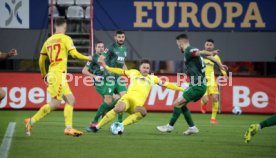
{"x": 139, "y": 140}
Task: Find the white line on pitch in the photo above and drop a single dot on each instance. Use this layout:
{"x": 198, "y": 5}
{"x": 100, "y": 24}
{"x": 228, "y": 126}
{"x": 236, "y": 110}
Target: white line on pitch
{"x": 6, "y": 143}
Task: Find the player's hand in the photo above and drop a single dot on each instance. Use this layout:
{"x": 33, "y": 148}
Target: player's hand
{"x": 101, "y": 61}
{"x": 98, "y": 78}
{"x": 90, "y": 58}
{"x": 215, "y": 52}
{"x": 12, "y": 52}
{"x": 224, "y": 67}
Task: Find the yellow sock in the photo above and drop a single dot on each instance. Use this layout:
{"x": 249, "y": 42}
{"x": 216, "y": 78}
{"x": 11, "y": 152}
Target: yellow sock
{"x": 108, "y": 117}
{"x": 42, "y": 112}
{"x": 214, "y": 110}
{"x": 68, "y": 115}
{"x": 132, "y": 118}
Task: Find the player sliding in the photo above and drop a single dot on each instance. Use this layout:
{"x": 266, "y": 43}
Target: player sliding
{"x": 56, "y": 48}
{"x": 197, "y": 88}
{"x": 133, "y": 101}
{"x": 255, "y": 128}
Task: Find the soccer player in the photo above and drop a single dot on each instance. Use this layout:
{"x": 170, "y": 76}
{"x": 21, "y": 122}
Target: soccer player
{"x": 103, "y": 87}
{"x": 133, "y": 101}
{"x": 196, "y": 71}
{"x": 56, "y": 48}
{"x": 212, "y": 86}
{"x": 115, "y": 57}
{"x": 255, "y": 128}
{"x": 11, "y": 53}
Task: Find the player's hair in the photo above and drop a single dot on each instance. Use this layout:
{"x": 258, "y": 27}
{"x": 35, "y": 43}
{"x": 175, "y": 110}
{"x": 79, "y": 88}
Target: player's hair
{"x": 182, "y": 36}
{"x": 210, "y": 40}
{"x": 119, "y": 32}
{"x": 60, "y": 21}
{"x": 98, "y": 42}
{"x": 144, "y": 61}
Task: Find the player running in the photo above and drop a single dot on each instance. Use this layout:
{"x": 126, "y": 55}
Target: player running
{"x": 11, "y": 53}
{"x": 103, "y": 87}
{"x": 133, "y": 101}
{"x": 56, "y": 48}
{"x": 196, "y": 71}
{"x": 255, "y": 128}
{"x": 212, "y": 86}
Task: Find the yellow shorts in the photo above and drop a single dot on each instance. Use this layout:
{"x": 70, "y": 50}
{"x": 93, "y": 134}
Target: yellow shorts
{"x": 58, "y": 85}
{"x": 212, "y": 89}
{"x": 131, "y": 102}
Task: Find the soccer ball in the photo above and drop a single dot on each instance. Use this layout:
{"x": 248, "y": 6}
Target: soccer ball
{"x": 237, "y": 110}
{"x": 117, "y": 128}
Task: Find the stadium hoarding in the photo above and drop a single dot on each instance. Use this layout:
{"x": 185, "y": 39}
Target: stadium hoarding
{"x": 24, "y": 14}
{"x": 216, "y": 15}
{"x": 28, "y": 91}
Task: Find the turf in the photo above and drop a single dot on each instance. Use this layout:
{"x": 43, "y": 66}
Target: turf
{"x": 139, "y": 140}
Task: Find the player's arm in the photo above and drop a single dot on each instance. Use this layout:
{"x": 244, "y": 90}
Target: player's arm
{"x": 169, "y": 85}
{"x": 205, "y": 53}
{"x": 217, "y": 62}
{"x": 11, "y": 53}
{"x": 118, "y": 71}
{"x": 73, "y": 51}
{"x": 42, "y": 58}
{"x": 86, "y": 72}
{"x": 224, "y": 73}
{"x": 77, "y": 55}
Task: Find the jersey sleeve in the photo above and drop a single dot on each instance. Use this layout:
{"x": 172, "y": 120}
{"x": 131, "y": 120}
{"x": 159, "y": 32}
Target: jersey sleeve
{"x": 219, "y": 60}
{"x": 43, "y": 50}
{"x": 169, "y": 85}
{"x": 131, "y": 72}
{"x": 68, "y": 42}
{"x": 88, "y": 64}
{"x": 191, "y": 53}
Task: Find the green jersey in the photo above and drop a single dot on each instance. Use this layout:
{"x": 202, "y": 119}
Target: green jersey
{"x": 116, "y": 54}
{"x": 94, "y": 67}
{"x": 194, "y": 65}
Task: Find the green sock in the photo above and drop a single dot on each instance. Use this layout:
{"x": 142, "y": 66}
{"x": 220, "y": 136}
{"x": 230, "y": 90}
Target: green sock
{"x": 176, "y": 114}
{"x": 269, "y": 122}
{"x": 187, "y": 115}
{"x": 101, "y": 110}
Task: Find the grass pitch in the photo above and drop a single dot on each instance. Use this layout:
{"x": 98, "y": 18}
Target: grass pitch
{"x": 139, "y": 140}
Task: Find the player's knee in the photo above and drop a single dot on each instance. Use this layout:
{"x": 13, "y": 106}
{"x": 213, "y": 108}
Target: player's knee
{"x": 119, "y": 108}
{"x": 142, "y": 110}
{"x": 215, "y": 98}
{"x": 108, "y": 100}
{"x": 204, "y": 100}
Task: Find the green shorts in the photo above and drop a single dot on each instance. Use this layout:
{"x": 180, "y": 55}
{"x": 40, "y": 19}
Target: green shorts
{"x": 109, "y": 88}
{"x": 194, "y": 92}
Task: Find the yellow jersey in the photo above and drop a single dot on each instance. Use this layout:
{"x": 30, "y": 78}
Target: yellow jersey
{"x": 140, "y": 85}
{"x": 209, "y": 70}
{"x": 56, "y": 48}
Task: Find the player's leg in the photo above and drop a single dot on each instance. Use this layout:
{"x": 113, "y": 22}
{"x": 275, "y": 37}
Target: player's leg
{"x": 139, "y": 113}
{"x": 2, "y": 94}
{"x": 120, "y": 107}
{"x": 121, "y": 89}
{"x": 41, "y": 113}
{"x": 215, "y": 107}
{"x": 204, "y": 102}
{"x": 175, "y": 115}
{"x": 68, "y": 115}
{"x": 104, "y": 107}
{"x": 254, "y": 128}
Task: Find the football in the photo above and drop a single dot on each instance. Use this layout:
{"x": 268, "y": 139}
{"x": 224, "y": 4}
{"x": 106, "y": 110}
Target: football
{"x": 237, "y": 110}
{"x": 117, "y": 128}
